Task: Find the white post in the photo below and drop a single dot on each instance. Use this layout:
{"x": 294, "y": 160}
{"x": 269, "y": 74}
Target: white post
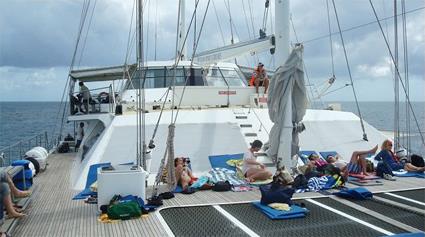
{"x": 281, "y": 31}
{"x": 182, "y": 30}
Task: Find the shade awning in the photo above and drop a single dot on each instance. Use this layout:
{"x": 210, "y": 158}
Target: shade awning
{"x": 103, "y": 73}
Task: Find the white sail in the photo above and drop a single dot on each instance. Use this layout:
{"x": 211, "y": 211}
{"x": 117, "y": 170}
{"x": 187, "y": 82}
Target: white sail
{"x": 287, "y": 106}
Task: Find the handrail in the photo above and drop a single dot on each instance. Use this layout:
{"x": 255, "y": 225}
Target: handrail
{"x": 17, "y": 150}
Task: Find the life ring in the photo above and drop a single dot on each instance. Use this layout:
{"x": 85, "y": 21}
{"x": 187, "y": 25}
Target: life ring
{"x": 103, "y": 97}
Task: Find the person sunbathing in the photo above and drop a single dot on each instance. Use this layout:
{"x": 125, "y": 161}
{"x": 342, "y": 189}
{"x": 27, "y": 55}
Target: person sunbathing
{"x": 251, "y": 168}
{"x": 357, "y": 164}
{"x": 184, "y": 176}
{"x": 387, "y": 156}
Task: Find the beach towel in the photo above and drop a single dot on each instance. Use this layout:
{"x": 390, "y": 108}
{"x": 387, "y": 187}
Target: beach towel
{"x": 220, "y": 161}
{"x": 294, "y": 212}
{"x": 223, "y": 174}
{"x": 91, "y": 178}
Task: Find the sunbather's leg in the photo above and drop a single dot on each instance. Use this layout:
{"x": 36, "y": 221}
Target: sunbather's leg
{"x": 15, "y": 191}
{"x": 356, "y": 154}
{"x": 410, "y": 167}
{"x": 257, "y": 174}
{"x": 185, "y": 180}
{"x": 7, "y": 201}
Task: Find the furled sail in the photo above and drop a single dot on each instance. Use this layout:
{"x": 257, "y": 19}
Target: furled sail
{"x": 287, "y": 106}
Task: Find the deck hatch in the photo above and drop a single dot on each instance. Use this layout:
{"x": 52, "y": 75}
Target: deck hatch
{"x": 199, "y": 221}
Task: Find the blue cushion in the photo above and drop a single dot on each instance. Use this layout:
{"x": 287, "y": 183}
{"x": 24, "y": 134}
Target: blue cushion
{"x": 355, "y": 193}
{"x": 24, "y": 163}
{"x": 294, "y": 212}
{"x": 305, "y": 154}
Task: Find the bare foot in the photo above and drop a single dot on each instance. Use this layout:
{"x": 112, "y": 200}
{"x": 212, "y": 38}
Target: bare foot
{"x": 373, "y": 151}
{"x": 16, "y": 215}
{"x": 22, "y": 194}
{"x": 249, "y": 180}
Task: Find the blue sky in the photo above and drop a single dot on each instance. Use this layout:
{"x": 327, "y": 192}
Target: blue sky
{"x": 37, "y": 41}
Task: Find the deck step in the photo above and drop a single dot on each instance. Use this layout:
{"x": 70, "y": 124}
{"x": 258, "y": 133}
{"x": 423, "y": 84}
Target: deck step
{"x": 246, "y": 125}
{"x": 251, "y": 134}
{"x": 241, "y": 117}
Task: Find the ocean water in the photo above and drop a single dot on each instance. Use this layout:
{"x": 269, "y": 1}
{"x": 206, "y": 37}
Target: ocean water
{"x": 22, "y": 120}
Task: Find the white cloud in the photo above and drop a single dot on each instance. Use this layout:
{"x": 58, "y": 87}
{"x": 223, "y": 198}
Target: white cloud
{"x": 37, "y": 40}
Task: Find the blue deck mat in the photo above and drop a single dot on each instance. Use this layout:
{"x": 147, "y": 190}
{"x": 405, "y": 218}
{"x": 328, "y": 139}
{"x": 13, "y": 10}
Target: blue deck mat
{"x": 295, "y": 212}
{"x": 91, "y": 178}
{"x": 220, "y": 160}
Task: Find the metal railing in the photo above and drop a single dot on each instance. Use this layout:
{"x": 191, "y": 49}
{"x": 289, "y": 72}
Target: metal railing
{"x": 98, "y": 98}
{"x": 17, "y": 151}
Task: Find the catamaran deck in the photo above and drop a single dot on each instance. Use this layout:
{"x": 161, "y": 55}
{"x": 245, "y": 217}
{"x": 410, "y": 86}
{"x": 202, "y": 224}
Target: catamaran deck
{"x": 53, "y": 213}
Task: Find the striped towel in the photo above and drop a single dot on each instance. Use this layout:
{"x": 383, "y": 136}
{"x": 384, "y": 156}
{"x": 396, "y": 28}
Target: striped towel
{"x": 317, "y": 183}
{"x": 223, "y": 174}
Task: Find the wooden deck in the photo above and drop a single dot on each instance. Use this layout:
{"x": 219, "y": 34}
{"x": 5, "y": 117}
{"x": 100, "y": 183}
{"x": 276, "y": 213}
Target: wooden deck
{"x": 53, "y": 213}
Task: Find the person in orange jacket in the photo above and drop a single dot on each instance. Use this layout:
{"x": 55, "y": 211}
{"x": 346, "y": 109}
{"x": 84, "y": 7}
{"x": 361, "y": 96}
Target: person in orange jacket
{"x": 259, "y": 78}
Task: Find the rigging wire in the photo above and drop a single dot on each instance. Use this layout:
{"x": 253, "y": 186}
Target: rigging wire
{"x": 230, "y": 20}
{"x": 219, "y": 25}
{"x": 398, "y": 72}
{"x": 87, "y": 33}
{"x": 156, "y": 27}
{"x": 396, "y": 85}
{"x": 265, "y": 15}
{"x": 312, "y": 97}
{"x": 70, "y": 82}
{"x": 330, "y": 39}
{"x": 147, "y": 30}
{"x": 360, "y": 26}
{"x": 349, "y": 72}
{"x": 406, "y": 76}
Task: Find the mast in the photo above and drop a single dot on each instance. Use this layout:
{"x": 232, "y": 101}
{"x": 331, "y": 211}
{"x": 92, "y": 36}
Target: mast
{"x": 141, "y": 141}
{"x": 281, "y": 31}
{"x": 182, "y": 30}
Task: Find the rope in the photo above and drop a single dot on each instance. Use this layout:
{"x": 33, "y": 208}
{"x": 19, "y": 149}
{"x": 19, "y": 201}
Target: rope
{"x": 398, "y": 72}
{"x": 349, "y": 73}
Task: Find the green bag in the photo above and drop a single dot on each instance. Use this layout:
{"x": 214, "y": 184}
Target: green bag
{"x": 124, "y": 210}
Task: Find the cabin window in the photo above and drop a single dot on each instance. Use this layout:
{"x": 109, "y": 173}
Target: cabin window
{"x": 223, "y": 77}
{"x": 163, "y": 77}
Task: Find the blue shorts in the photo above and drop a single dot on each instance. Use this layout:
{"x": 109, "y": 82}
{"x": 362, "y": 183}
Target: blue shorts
{"x": 354, "y": 168}
{"x": 397, "y": 166}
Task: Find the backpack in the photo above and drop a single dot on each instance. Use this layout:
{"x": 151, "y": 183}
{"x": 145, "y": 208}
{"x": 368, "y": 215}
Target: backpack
{"x": 417, "y": 161}
{"x": 355, "y": 193}
{"x": 124, "y": 210}
{"x": 222, "y": 186}
{"x": 271, "y": 193}
{"x": 300, "y": 182}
